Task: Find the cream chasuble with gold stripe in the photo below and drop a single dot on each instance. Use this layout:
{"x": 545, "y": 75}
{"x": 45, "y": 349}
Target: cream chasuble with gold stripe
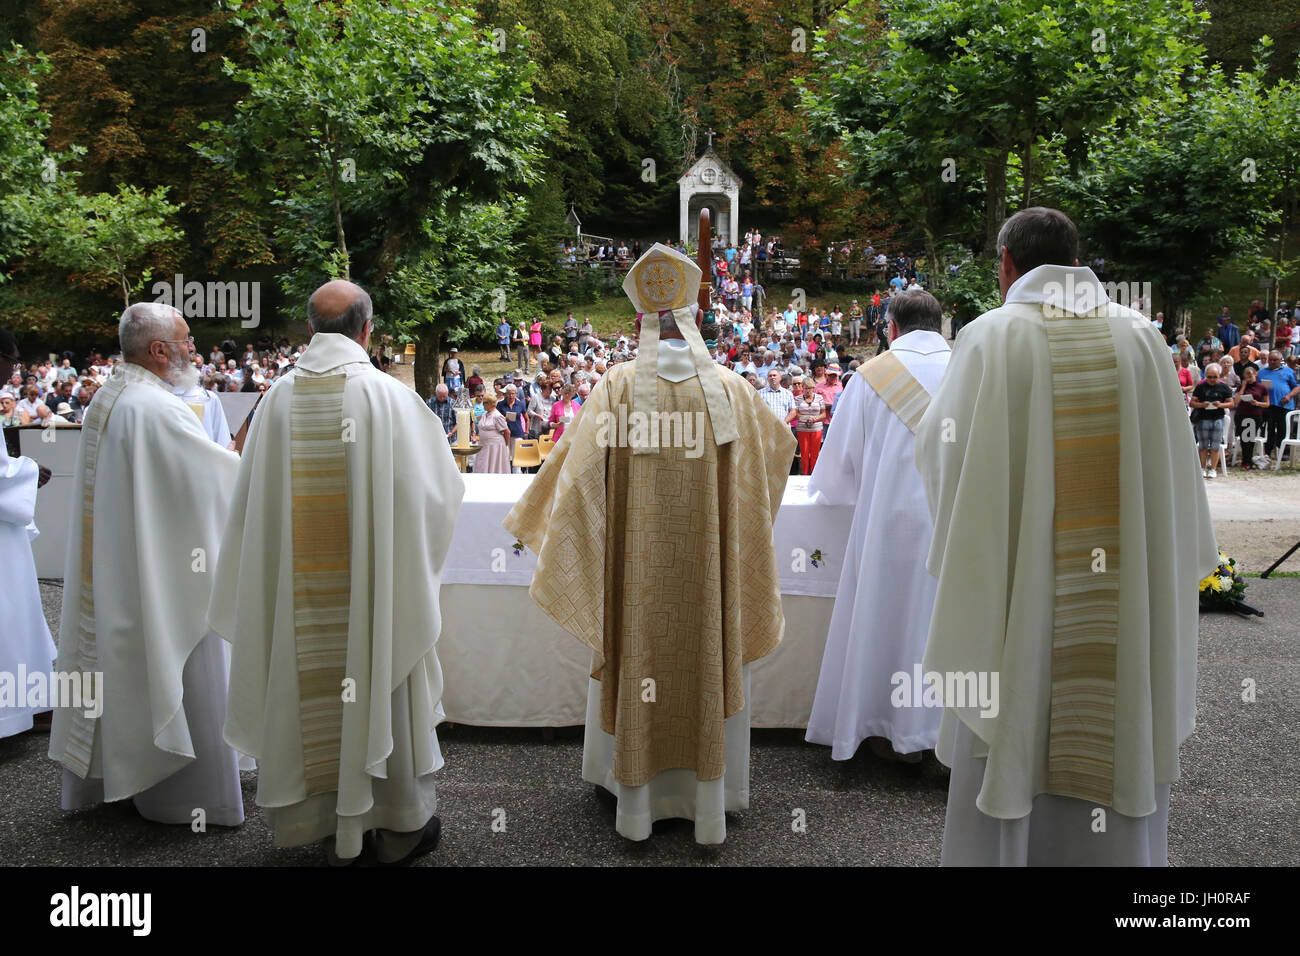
{"x": 328, "y": 591}
{"x": 1071, "y": 529}
{"x": 136, "y": 584}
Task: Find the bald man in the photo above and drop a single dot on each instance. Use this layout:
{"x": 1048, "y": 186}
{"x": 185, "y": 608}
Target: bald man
{"x": 153, "y": 492}
{"x": 328, "y": 592}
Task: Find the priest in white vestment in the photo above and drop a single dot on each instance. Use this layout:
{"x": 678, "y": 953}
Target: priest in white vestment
{"x": 328, "y": 593}
{"x": 25, "y": 643}
{"x": 152, "y": 492}
{"x": 652, "y": 525}
{"x": 206, "y": 405}
{"x": 882, "y": 608}
{"x": 1071, "y": 531}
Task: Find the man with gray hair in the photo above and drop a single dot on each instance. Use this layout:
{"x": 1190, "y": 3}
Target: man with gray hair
{"x": 867, "y": 462}
{"x": 152, "y": 496}
{"x": 1065, "y": 618}
{"x": 327, "y": 589}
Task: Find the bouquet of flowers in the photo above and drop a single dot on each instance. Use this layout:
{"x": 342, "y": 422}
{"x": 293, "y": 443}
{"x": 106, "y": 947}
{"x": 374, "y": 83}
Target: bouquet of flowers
{"x": 1223, "y": 588}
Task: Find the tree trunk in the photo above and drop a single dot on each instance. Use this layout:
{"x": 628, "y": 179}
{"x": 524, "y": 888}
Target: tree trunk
{"x": 340, "y": 239}
{"x": 1277, "y": 280}
{"x": 1026, "y": 171}
{"x": 427, "y": 348}
{"x": 995, "y": 202}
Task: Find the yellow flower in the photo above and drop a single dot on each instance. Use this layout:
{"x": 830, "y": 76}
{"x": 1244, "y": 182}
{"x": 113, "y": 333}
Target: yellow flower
{"x": 1206, "y": 583}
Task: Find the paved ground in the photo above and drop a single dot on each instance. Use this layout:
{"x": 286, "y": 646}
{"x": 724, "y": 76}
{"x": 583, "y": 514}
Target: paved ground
{"x": 1237, "y": 803}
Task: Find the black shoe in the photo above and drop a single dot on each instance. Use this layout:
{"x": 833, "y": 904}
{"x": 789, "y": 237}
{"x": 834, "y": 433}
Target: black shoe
{"x": 428, "y": 842}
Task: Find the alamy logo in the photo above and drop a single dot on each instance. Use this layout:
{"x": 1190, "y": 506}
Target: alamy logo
{"x": 38, "y": 690}
{"x": 626, "y": 429}
{"x": 212, "y": 300}
{"x": 75, "y": 908}
{"x": 947, "y": 689}
{"x": 1081, "y": 297}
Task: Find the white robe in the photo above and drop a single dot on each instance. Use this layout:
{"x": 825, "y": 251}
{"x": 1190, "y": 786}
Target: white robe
{"x": 159, "y": 504}
{"x": 404, "y": 492}
{"x": 672, "y": 794}
{"x": 214, "y": 414}
{"x": 25, "y": 640}
{"x": 991, "y": 490}
{"x": 882, "y": 606}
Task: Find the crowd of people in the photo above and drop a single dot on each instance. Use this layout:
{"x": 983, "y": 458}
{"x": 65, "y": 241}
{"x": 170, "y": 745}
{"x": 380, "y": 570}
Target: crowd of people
{"x": 798, "y": 360}
{"x": 1237, "y": 389}
{"x": 59, "y": 392}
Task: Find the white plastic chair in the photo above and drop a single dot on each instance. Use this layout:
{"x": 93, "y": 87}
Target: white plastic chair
{"x": 1290, "y": 438}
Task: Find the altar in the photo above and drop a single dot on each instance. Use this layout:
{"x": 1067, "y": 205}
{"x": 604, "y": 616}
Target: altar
{"x": 505, "y": 663}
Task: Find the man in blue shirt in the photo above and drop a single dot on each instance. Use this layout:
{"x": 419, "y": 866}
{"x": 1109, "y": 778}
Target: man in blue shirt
{"x": 503, "y": 340}
{"x": 441, "y": 406}
{"x": 515, "y": 410}
{"x": 897, "y": 283}
{"x": 1282, "y": 389}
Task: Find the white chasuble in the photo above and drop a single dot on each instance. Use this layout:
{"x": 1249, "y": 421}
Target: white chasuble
{"x": 343, "y": 512}
{"x": 881, "y": 617}
{"x": 206, "y": 404}
{"x": 25, "y": 643}
{"x": 1096, "y": 666}
{"x": 142, "y": 546}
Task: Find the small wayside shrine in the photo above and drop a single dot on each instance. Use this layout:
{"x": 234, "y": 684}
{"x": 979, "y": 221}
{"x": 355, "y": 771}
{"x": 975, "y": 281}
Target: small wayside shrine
{"x": 710, "y": 182}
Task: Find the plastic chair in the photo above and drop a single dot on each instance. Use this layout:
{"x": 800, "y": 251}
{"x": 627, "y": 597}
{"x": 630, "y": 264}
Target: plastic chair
{"x": 1239, "y": 449}
{"x": 526, "y": 454}
{"x": 544, "y": 445}
{"x": 1290, "y": 438}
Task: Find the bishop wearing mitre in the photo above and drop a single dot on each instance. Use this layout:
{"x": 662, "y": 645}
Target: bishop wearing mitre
{"x": 877, "y": 634}
{"x": 652, "y": 525}
{"x": 328, "y": 593}
{"x": 1071, "y": 529}
{"x": 25, "y": 642}
{"x": 152, "y": 494}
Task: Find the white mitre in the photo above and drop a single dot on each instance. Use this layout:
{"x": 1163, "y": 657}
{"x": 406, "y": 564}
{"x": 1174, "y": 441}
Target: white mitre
{"x": 664, "y": 280}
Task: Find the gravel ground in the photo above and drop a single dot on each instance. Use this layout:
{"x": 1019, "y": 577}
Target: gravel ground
{"x": 1236, "y": 803}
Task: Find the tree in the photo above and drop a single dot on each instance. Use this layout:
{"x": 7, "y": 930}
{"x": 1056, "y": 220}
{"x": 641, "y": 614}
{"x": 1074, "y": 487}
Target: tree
{"x": 367, "y": 160}
{"x": 983, "y": 81}
{"x": 107, "y": 239}
{"x": 1264, "y": 123}
{"x": 1168, "y": 200}
{"x": 26, "y": 177}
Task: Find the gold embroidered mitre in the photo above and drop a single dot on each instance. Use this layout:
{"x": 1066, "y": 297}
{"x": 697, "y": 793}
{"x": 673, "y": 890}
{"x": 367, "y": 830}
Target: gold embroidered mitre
{"x": 664, "y": 280}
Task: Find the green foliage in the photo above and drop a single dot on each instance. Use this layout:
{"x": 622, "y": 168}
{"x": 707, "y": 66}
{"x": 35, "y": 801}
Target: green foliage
{"x": 388, "y": 138}
{"x": 26, "y": 179}
{"x": 970, "y": 292}
{"x": 1167, "y": 200}
{"x": 106, "y": 239}
{"x": 977, "y": 81}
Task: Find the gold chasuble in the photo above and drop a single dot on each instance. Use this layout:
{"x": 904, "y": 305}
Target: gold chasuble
{"x": 1085, "y": 625}
{"x": 653, "y": 534}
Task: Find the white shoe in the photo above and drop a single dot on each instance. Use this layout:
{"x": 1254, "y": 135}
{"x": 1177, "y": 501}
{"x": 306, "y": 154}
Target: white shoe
{"x": 1210, "y": 473}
